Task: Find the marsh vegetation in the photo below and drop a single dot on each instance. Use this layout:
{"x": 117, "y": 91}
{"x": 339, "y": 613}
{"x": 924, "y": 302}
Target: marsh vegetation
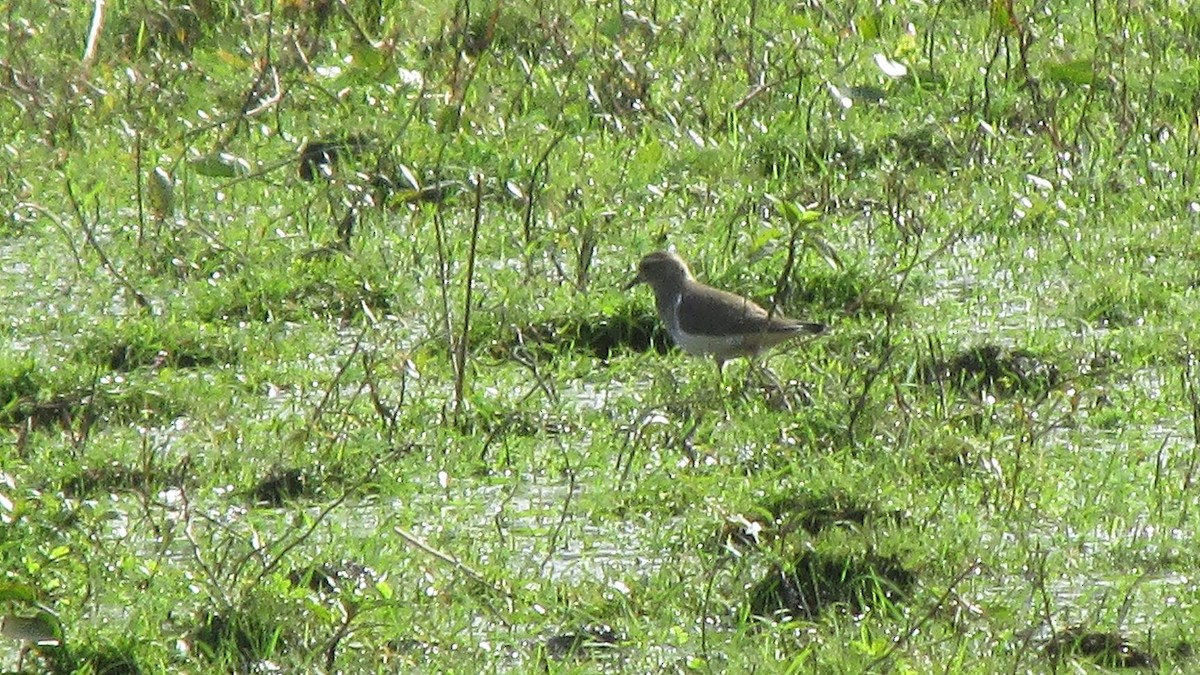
{"x": 316, "y": 356}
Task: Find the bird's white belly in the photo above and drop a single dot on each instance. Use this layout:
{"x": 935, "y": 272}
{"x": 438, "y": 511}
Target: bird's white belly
{"x": 707, "y": 345}
{"x": 699, "y": 344}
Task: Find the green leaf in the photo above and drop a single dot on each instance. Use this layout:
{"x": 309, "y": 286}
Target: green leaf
{"x": 367, "y": 58}
{"x": 220, "y": 165}
{"x": 767, "y": 235}
{"x": 804, "y": 23}
{"x": 868, "y": 26}
{"x": 649, "y": 155}
{"x": 385, "y": 589}
{"x": 1075, "y": 71}
{"x": 793, "y": 213}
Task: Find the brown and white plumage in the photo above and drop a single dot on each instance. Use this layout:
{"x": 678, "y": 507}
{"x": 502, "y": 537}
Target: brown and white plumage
{"x": 707, "y": 321}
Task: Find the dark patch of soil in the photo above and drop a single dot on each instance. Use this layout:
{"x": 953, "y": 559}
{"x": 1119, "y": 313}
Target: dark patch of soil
{"x": 246, "y": 635}
{"x": 124, "y": 357}
{"x": 583, "y": 643}
{"x": 282, "y": 485}
{"x": 64, "y": 410}
{"x": 436, "y": 192}
{"x": 523, "y": 423}
{"x": 1098, "y": 362}
{"x": 115, "y": 477}
{"x": 994, "y": 369}
{"x": 24, "y": 403}
{"x": 75, "y": 412}
{"x": 320, "y": 158}
{"x": 921, "y": 147}
{"x": 782, "y": 516}
{"x": 596, "y": 335}
{"x": 815, "y": 582}
{"x": 301, "y": 302}
{"x": 88, "y": 658}
{"x": 1111, "y": 650}
{"x": 107, "y": 659}
{"x": 410, "y": 647}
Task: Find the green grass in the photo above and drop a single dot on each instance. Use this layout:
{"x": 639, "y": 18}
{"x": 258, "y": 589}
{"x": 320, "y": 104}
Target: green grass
{"x": 242, "y": 426}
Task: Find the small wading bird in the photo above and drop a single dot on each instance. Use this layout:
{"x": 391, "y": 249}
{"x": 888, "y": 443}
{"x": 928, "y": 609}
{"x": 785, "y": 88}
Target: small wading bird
{"x": 706, "y": 321}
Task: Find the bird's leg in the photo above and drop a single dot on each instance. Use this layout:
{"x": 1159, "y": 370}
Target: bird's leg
{"x": 742, "y": 390}
{"x": 771, "y": 377}
{"x": 720, "y": 376}
{"x": 786, "y": 396}
{"x": 773, "y": 391}
{"x": 720, "y": 390}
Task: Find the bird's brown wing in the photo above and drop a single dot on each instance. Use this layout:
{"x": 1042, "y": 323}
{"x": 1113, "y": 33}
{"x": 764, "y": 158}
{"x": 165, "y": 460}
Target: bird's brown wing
{"x": 716, "y": 312}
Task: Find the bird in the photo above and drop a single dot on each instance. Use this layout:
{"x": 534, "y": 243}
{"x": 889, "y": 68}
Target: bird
{"x": 706, "y": 321}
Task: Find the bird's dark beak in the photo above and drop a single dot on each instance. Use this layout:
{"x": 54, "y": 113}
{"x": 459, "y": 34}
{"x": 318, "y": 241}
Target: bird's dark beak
{"x": 633, "y": 282}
